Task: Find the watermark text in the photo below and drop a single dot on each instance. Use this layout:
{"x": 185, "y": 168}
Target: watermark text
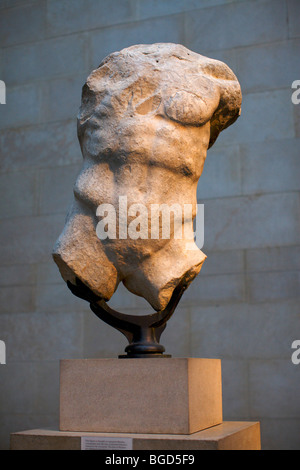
{"x": 2, "y": 352}
{"x": 153, "y": 221}
{"x": 296, "y": 94}
{"x": 296, "y": 354}
{"x": 2, "y": 92}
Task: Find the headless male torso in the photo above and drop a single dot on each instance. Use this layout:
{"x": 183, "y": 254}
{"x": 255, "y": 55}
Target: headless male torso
{"x": 148, "y": 116}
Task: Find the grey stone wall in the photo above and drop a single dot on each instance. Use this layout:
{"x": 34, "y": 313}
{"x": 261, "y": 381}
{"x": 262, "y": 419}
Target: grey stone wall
{"x": 244, "y": 305}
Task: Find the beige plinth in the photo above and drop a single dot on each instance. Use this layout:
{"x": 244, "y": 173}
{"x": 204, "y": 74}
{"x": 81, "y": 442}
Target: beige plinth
{"x": 164, "y": 396}
{"x": 226, "y": 436}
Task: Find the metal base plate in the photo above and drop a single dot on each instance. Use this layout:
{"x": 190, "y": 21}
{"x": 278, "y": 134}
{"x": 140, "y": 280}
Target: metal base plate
{"x": 143, "y": 356}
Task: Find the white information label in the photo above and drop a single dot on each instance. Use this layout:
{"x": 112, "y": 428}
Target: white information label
{"x": 106, "y": 443}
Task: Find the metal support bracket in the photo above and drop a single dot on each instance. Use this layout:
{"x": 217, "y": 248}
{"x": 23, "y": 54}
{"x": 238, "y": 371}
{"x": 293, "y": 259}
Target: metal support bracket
{"x": 142, "y": 332}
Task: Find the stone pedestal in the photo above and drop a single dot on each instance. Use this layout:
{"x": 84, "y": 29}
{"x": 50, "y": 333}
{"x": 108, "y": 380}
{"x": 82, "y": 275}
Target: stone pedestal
{"x": 141, "y": 404}
{"x": 225, "y": 436}
{"x": 162, "y": 396}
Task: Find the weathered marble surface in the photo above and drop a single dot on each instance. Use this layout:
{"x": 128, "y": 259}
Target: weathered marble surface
{"x": 148, "y": 115}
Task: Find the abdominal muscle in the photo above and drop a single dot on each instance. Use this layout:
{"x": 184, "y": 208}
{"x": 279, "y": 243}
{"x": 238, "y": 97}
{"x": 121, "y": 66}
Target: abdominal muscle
{"x": 166, "y": 172}
{"x": 155, "y": 189}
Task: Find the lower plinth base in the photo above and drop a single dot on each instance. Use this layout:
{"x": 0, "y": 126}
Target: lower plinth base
{"x": 230, "y": 435}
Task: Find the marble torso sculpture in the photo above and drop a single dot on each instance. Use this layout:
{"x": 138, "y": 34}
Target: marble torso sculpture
{"x": 148, "y": 115}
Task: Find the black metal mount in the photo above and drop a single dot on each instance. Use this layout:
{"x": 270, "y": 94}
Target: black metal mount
{"x": 142, "y": 332}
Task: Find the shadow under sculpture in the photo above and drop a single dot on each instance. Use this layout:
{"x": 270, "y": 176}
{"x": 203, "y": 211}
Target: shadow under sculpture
{"x": 149, "y": 113}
